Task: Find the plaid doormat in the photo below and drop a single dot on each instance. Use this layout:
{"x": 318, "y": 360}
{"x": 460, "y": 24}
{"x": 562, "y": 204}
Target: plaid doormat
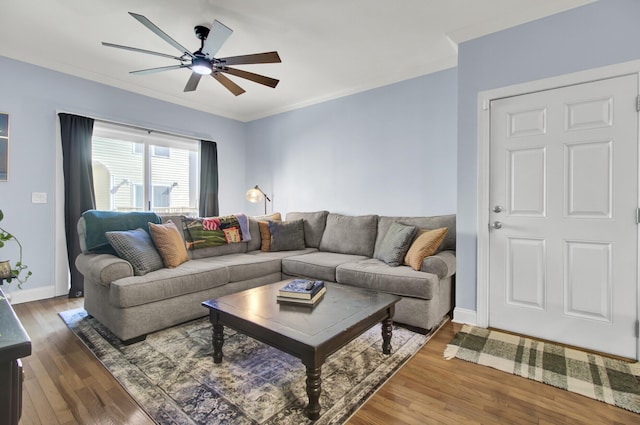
{"x": 608, "y": 380}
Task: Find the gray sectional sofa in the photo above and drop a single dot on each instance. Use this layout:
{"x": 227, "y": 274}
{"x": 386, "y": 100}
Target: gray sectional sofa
{"x": 338, "y": 248}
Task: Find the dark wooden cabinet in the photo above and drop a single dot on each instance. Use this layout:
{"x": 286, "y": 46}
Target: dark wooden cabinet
{"x": 14, "y": 345}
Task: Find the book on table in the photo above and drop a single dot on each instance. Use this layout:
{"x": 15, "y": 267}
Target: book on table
{"x": 297, "y": 288}
{"x": 303, "y": 301}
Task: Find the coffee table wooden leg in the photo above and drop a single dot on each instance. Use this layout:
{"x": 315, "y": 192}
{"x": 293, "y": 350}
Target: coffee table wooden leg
{"x": 387, "y": 328}
{"x": 218, "y": 340}
{"x": 314, "y": 384}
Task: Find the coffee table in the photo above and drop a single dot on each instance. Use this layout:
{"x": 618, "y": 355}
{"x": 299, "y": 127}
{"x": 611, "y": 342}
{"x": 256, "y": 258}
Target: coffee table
{"x": 308, "y": 333}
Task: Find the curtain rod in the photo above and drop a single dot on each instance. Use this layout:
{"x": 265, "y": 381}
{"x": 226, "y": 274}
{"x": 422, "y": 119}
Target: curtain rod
{"x": 135, "y": 127}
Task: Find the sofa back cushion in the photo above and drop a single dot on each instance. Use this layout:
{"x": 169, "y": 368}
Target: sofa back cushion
{"x": 354, "y": 235}
{"x": 314, "y": 224}
{"x": 427, "y": 223}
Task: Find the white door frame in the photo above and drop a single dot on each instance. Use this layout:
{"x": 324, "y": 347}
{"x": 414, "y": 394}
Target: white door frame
{"x": 484, "y": 139}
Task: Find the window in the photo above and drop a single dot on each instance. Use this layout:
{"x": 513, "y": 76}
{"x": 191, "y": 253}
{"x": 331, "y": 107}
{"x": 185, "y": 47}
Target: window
{"x": 161, "y": 151}
{"x": 134, "y": 170}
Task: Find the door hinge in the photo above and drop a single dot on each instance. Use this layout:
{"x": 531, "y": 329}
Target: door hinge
{"x": 637, "y": 215}
{"x": 638, "y": 103}
{"x": 637, "y": 328}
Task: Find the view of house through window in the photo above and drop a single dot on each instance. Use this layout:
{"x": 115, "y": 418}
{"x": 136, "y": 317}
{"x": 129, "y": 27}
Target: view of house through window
{"x": 137, "y": 170}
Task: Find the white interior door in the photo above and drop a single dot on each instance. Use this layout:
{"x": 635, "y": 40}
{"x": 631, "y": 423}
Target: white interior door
{"x": 564, "y": 195}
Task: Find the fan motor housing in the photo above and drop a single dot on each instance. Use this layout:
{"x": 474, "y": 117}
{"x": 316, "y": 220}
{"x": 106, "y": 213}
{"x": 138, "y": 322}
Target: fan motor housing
{"x": 201, "y": 32}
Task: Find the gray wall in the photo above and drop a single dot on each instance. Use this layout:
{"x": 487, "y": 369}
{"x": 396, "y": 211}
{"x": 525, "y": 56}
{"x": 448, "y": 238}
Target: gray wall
{"x": 603, "y": 33}
{"x": 32, "y": 96}
{"x": 388, "y": 151}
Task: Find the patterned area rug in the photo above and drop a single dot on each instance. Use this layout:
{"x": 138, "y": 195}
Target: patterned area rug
{"x": 172, "y": 375}
{"x": 612, "y": 381}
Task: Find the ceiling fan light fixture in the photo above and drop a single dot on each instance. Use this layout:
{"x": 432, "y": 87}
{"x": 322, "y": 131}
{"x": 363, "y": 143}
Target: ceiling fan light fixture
{"x": 201, "y": 66}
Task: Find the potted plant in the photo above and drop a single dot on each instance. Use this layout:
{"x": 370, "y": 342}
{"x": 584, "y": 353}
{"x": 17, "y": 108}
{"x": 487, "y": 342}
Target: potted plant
{"x": 7, "y": 272}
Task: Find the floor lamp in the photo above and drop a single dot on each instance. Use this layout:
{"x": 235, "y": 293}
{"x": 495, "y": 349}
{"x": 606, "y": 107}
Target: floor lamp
{"x": 256, "y": 195}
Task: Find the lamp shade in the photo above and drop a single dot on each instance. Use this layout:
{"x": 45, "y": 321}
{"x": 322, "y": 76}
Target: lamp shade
{"x": 254, "y": 195}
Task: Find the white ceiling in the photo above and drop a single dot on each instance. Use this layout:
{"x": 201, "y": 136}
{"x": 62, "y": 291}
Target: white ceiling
{"x": 329, "y": 48}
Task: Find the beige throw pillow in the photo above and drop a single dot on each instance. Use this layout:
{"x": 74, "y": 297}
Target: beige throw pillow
{"x": 169, "y": 243}
{"x": 426, "y": 244}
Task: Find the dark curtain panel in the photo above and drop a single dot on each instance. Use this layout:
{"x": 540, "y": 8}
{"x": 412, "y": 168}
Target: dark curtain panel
{"x": 208, "y": 179}
{"x": 79, "y": 195}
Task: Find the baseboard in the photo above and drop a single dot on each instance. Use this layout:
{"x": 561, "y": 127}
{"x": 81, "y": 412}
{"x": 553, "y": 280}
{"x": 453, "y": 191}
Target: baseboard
{"x": 462, "y": 315}
{"x": 19, "y": 296}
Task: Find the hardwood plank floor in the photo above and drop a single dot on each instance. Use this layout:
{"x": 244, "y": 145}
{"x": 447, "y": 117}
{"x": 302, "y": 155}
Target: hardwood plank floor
{"x": 65, "y": 384}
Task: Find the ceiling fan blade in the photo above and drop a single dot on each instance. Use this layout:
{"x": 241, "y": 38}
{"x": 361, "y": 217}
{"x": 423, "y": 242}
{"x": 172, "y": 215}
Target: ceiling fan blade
{"x": 192, "y": 84}
{"x": 218, "y": 34}
{"x": 135, "y": 49}
{"x": 228, "y": 84}
{"x": 257, "y": 78}
{"x": 160, "y": 69}
{"x": 268, "y": 57}
{"x": 157, "y": 31}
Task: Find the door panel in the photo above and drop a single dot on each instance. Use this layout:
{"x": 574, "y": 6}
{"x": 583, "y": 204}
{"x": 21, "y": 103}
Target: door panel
{"x": 563, "y": 258}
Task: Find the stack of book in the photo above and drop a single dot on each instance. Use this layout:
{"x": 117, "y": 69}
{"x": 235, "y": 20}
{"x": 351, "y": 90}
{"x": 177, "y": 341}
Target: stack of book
{"x": 302, "y": 291}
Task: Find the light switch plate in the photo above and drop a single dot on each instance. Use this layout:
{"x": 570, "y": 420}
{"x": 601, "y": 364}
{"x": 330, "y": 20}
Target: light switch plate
{"x": 38, "y": 197}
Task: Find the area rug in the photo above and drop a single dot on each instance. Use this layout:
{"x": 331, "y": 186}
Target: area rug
{"x": 172, "y": 375}
{"x": 602, "y": 378}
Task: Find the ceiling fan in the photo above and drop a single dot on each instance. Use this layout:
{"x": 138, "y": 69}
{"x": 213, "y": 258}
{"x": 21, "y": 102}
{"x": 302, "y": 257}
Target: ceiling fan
{"x": 202, "y": 61}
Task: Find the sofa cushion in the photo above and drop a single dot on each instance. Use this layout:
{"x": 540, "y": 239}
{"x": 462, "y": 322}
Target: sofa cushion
{"x": 244, "y": 266}
{"x": 169, "y": 243}
{"x": 314, "y": 224}
{"x": 427, "y": 223}
{"x": 282, "y": 254}
{"x": 317, "y": 265}
{"x": 187, "y": 278}
{"x": 137, "y": 248}
{"x": 286, "y": 235}
{"x": 374, "y": 274}
{"x": 353, "y": 235}
{"x": 395, "y": 244}
{"x": 425, "y": 245}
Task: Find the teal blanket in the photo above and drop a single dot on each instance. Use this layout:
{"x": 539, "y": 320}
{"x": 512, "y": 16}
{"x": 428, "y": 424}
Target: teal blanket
{"x": 99, "y": 222}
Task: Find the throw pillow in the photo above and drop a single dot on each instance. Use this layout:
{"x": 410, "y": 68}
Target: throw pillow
{"x": 232, "y": 235}
{"x": 137, "y": 248}
{"x": 286, "y": 235}
{"x": 426, "y": 244}
{"x": 169, "y": 243}
{"x": 395, "y": 244}
{"x": 265, "y": 235}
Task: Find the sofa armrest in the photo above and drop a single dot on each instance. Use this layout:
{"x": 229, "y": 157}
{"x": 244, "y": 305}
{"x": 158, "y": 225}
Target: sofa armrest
{"x": 103, "y": 268}
{"x": 442, "y": 264}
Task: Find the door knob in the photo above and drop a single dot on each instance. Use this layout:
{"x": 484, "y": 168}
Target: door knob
{"x": 496, "y": 225}
{"x": 497, "y": 209}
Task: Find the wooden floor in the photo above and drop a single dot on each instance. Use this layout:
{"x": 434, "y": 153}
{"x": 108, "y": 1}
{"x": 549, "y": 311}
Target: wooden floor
{"x": 65, "y": 384}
